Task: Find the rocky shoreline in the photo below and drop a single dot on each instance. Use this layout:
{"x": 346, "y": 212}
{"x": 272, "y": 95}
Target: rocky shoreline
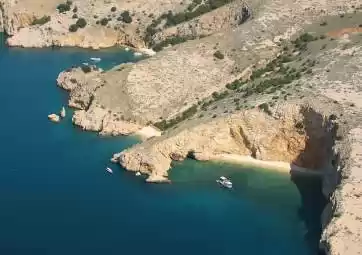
{"x": 240, "y": 85}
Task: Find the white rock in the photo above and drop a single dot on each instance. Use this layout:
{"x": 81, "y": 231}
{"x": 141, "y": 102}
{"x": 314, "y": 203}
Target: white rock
{"x": 54, "y": 117}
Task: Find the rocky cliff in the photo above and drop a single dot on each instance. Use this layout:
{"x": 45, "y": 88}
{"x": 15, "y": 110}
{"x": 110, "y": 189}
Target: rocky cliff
{"x": 11, "y": 20}
{"x": 293, "y": 133}
{"x": 263, "y": 89}
{"x": 103, "y": 23}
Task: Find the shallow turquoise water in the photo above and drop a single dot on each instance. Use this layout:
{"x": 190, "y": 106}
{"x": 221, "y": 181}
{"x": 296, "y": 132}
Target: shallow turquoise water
{"x": 56, "y": 198}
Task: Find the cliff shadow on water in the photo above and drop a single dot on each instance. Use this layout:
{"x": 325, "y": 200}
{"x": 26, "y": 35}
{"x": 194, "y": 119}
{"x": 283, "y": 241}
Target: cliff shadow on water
{"x": 3, "y": 37}
{"x": 313, "y": 203}
{"x": 318, "y": 156}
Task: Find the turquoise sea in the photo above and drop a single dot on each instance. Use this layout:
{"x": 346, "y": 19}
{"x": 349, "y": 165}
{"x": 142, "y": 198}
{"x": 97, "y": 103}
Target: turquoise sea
{"x": 56, "y": 197}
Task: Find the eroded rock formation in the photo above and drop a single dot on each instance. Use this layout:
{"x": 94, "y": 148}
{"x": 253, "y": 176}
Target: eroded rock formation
{"x": 248, "y": 133}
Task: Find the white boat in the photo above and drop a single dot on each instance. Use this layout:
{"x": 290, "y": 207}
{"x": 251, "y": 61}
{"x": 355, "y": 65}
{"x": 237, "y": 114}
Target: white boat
{"x": 96, "y": 59}
{"x": 225, "y": 182}
{"x": 138, "y": 173}
{"x": 137, "y": 54}
{"x": 109, "y": 170}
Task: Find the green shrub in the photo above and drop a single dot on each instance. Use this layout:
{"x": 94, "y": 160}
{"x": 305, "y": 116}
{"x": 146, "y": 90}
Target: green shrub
{"x": 63, "y": 7}
{"x": 299, "y": 125}
{"x": 81, "y": 22}
{"x": 69, "y": 2}
{"x": 265, "y": 107}
{"x": 219, "y": 55}
{"x": 41, "y": 21}
{"x": 75, "y": 16}
{"x": 104, "y": 21}
{"x": 126, "y": 17}
{"x": 163, "y": 125}
{"x": 73, "y": 28}
{"x": 86, "y": 69}
{"x": 171, "y": 41}
{"x": 306, "y": 37}
{"x": 75, "y": 9}
{"x": 113, "y": 9}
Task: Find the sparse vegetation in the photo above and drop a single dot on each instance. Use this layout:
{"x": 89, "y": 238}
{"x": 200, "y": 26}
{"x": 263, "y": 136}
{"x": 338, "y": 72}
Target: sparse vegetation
{"x": 41, "y": 21}
{"x": 64, "y": 7}
{"x": 163, "y": 125}
{"x": 104, "y": 22}
{"x": 73, "y": 28}
{"x": 81, "y": 23}
{"x": 265, "y": 107}
{"x": 86, "y": 69}
{"x": 113, "y": 9}
{"x": 195, "y": 9}
{"x": 171, "y": 41}
{"x": 218, "y": 54}
{"x": 126, "y": 18}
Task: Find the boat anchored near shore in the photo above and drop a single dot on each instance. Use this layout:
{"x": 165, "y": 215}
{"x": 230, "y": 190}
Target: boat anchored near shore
{"x": 225, "y": 182}
{"x": 96, "y": 59}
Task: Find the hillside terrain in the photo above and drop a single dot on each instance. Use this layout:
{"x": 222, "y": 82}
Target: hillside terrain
{"x": 270, "y": 80}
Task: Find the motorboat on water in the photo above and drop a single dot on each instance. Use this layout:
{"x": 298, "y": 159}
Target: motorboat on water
{"x": 96, "y": 59}
{"x": 225, "y": 182}
{"x": 138, "y": 173}
{"x": 109, "y": 170}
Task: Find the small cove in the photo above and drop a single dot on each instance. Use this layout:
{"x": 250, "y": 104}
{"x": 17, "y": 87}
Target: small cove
{"x": 56, "y": 197}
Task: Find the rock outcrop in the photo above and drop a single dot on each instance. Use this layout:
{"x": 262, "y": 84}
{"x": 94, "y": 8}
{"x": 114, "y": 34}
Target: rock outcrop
{"x": 223, "y": 18}
{"x": 105, "y": 25}
{"x": 91, "y": 115}
{"x": 242, "y": 133}
{"x": 54, "y": 117}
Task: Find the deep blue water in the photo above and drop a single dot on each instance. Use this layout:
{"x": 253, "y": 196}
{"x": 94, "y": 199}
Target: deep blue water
{"x": 56, "y": 198}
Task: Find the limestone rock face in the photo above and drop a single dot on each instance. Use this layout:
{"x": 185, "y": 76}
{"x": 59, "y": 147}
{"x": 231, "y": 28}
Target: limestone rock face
{"x": 11, "y": 20}
{"x": 91, "y": 120}
{"x": 249, "y": 133}
{"x": 81, "y": 85}
{"x": 16, "y": 19}
{"x": 112, "y": 125}
{"x": 223, "y": 18}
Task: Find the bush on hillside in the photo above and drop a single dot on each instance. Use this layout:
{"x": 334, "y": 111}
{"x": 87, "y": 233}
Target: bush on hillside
{"x": 265, "y": 107}
{"x": 126, "y": 17}
{"x": 75, "y": 9}
{"x": 86, "y": 69}
{"x": 113, "y": 9}
{"x": 104, "y": 21}
{"x": 41, "y": 21}
{"x": 218, "y": 55}
{"x": 75, "y": 16}
{"x": 81, "y": 22}
{"x": 73, "y": 28}
{"x": 63, "y": 7}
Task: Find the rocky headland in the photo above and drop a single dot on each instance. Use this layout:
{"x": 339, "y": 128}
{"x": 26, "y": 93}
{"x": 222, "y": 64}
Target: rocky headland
{"x": 276, "y": 81}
